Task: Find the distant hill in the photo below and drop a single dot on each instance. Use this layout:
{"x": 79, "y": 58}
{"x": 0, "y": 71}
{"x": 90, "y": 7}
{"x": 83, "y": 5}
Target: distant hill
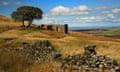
{"x": 112, "y": 32}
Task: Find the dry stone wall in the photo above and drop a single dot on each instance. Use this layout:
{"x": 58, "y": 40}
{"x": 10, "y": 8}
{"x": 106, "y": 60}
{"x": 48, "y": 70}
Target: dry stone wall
{"x": 39, "y": 51}
{"x": 89, "y": 61}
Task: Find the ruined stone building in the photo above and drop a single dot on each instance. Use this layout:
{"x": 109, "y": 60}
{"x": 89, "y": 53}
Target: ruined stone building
{"x": 55, "y": 27}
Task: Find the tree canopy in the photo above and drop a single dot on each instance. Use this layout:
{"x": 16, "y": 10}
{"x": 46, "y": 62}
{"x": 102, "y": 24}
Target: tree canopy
{"x": 28, "y": 13}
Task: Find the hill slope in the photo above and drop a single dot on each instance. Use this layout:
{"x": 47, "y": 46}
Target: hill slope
{"x": 4, "y": 18}
{"x": 70, "y": 43}
{"x": 67, "y": 44}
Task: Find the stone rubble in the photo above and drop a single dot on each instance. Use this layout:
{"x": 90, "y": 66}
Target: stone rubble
{"x": 89, "y": 61}
{"x": 38, "y": 51}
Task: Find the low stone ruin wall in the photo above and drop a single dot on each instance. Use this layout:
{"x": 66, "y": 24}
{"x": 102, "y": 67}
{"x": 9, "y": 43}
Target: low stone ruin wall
{"x": 54, "y": 27}
{"x": 38, "y": 51}
{"x": 89, "y": 61}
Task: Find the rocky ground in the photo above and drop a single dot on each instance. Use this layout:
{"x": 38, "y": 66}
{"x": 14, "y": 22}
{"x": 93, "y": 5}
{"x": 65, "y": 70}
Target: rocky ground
{"x": 89, "y": 61}
{"x": 38, "y": 51}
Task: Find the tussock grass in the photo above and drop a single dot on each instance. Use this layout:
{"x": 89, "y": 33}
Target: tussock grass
{"x": 12, "y": 62}
{"x": 45, "y": 67}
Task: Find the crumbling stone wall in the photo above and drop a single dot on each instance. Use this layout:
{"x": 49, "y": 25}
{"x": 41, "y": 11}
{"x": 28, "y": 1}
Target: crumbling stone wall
{"x": 38, "y": 51}
{"x": 58, "y": 27}
{"x": 89, "y": 61}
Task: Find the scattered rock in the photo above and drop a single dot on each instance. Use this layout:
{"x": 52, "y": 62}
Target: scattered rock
{"x": 38, "y": 51}
{"x": 89, "y": 61}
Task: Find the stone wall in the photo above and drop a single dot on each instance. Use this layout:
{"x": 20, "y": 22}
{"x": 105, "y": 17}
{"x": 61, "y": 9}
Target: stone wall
{"x": 38, "y": 51}
{"x": 89, "y": 61}
{"x": 58, "y": 27}
{"x": 42, "y": 51}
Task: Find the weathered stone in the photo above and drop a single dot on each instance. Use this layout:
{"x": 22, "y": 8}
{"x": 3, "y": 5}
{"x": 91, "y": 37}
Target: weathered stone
{"x": 56, "y": 27}
{"x": 89, "y": 61}
{"x": 39, "y": 51}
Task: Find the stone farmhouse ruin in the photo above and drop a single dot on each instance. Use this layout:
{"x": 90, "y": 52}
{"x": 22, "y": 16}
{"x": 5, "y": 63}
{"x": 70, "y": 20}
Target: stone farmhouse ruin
{"x": 54, "y": 27}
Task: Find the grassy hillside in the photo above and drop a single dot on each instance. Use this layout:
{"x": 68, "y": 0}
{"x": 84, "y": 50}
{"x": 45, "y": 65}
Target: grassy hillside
{"x": 111, "y": 32}
{"x": 67, "y": 44}
{"x": 7, "y": 23}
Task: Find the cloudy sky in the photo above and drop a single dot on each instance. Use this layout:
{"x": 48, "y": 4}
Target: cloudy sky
{"x": 76, "y": 13}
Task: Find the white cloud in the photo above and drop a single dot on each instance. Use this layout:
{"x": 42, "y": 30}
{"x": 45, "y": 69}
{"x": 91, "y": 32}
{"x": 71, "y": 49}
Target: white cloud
{"x": 46, "y": 20}
{"x": 116, "y": 10}
{"x": 18, "y": 3}
{"x": 105, "y": 7}
{"x": 100, "y": 8}
{"x": 80, "y": 13}
{"x": 116, "y": 20}
{"x": 13, "y": 3}
{"x": 61, "y": 10}
{"x": 105, "y": 12}
{"x": 110, "y": 15}
{"x": 5, "y": 3}
{"x": 81, "y": 8}
{"x": 84, "y": 14}
{"x": 91, "y": 19}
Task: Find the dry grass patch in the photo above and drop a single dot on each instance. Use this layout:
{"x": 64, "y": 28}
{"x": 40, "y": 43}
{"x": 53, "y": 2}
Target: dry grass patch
{"x": 50, "y": 66}
{"x": 54, "y": 34}
{"x": 12, "y": 62}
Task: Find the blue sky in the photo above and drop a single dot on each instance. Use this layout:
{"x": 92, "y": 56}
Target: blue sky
{"x": 76, "y": 13}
